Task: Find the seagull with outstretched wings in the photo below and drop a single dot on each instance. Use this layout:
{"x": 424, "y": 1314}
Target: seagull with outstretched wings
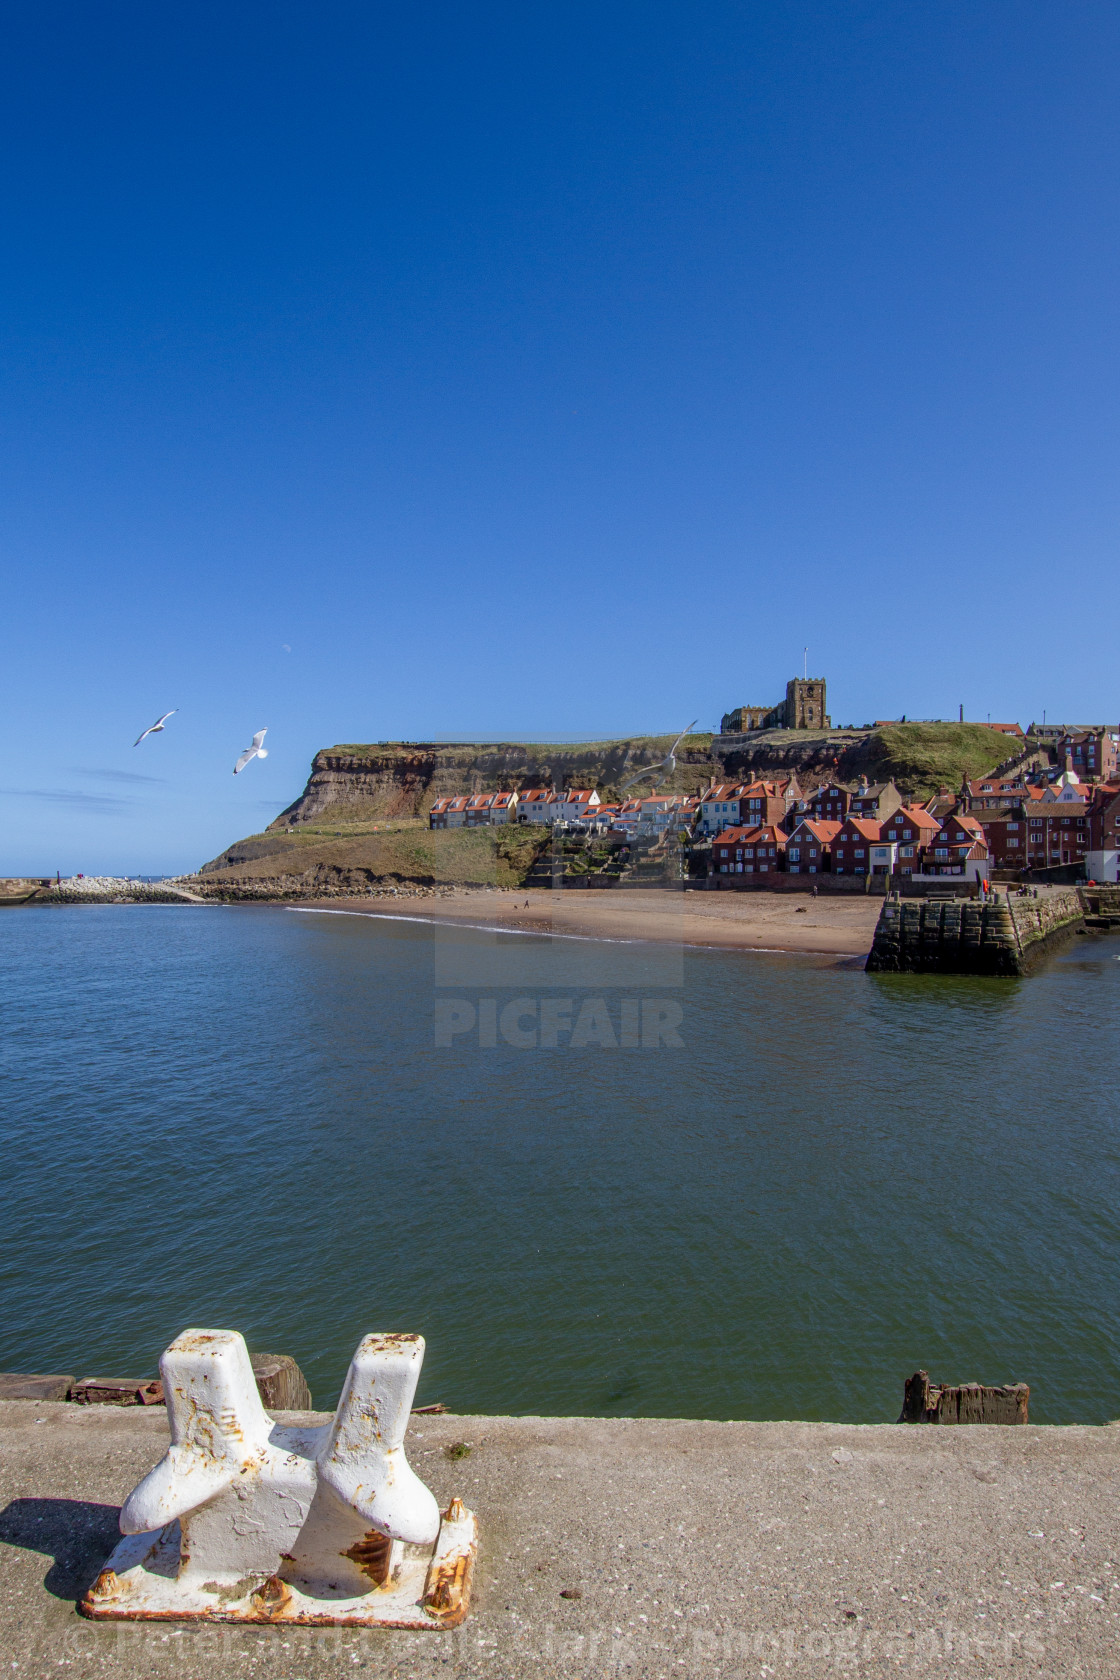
{"x": 668, "y": 763}
{"x": 154, "y": 728}
{"x": 255, "y": 751}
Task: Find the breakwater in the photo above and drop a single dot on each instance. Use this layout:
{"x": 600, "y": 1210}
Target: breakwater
{"x": 1003, "y": 936}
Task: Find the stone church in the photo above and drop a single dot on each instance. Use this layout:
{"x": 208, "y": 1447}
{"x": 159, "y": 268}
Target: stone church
{"x": 802, "y": 708}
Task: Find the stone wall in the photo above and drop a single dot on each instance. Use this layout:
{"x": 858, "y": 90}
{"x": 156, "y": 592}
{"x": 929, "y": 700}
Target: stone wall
{"x": 1039, "y": 918}
{"x": 1003, "y": 936}
{"x": 781, "y": 881}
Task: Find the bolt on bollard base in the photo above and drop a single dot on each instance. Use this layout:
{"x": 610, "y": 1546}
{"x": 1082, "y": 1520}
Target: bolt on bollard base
{"x": 246, "y": 1520}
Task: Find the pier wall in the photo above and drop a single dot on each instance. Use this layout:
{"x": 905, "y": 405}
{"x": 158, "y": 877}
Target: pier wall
{"x": 1002, "y": 936}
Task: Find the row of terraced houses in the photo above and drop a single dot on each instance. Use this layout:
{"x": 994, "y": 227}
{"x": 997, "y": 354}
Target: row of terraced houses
{"x": 1013, "y": 823}
{"x": 1017, "y": 822}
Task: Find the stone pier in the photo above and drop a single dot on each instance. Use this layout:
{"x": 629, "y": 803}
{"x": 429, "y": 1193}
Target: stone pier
{"x": 1004, "y": 935}
{"x": 639, "y": 1548}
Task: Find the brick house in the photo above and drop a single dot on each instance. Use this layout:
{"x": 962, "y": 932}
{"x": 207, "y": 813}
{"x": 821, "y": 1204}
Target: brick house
{"x": 1057, "y": 832}
{"x": 876, "y": 801}
{"x": 829, "y": 803}
{"x": 997, "y": 793}
{"x": 851, "y": 848}
{"x": 1006, "y": 836}
{"x": 437, "y": 816}
{"x": 763, "y": 802}
{"x": 476, "y": 812}
{"x": 1090, "y": 752}
{"x": 809, "y": 847}
{"x": 454, "y": 812}
{"x": 912, "y": 829}
{"x": 1103, "y": 857}
{"x": 748, "y": 851}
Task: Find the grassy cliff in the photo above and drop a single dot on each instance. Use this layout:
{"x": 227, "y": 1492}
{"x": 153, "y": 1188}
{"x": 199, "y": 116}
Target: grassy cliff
{"x": 387, "y": 852}
{"x": 921, "y": 757}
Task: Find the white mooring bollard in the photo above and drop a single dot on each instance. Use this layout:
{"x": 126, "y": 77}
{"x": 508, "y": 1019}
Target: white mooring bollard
{"x": 246, "y": 1520}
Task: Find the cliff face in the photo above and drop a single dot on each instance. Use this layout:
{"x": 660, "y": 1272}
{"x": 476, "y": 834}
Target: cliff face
{"x": 359, "y": 820}
{"x": 402, "y": 779}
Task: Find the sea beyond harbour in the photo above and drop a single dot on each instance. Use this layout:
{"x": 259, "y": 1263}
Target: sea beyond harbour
{"x": 757, "y": 1186}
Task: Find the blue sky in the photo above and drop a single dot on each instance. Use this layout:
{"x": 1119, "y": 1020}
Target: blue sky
{"x": 551, "y": 371}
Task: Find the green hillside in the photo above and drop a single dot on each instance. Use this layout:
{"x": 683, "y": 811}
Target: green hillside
{"x": 405, "y": 851}
{"x": 921, "y": 757}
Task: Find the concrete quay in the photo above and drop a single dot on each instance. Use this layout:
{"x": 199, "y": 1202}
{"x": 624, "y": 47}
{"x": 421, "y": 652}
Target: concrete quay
{"x": 636, "y": 1547}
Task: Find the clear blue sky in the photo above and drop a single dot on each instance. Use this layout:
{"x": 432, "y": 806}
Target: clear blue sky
{"x": 538, "y": 371}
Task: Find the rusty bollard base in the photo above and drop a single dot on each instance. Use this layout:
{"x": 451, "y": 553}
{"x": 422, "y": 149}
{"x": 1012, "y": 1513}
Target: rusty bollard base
{"x": 139, "y": 1582}
{"x": 246, "y": 1520}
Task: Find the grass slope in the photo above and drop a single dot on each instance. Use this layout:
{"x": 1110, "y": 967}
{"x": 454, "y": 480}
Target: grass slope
{"x": 922, "y": 757}
{"x": 407, "y": 851}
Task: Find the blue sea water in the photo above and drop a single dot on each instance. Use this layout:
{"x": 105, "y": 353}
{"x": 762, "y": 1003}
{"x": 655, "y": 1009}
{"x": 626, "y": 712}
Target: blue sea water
{"x": 241, "y": 1117}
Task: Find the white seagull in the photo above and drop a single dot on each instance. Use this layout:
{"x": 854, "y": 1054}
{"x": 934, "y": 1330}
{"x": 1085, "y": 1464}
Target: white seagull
{"x": 255, "y": 751}
{"x": 155, "y": 727}
{"x": 668, "y": 763}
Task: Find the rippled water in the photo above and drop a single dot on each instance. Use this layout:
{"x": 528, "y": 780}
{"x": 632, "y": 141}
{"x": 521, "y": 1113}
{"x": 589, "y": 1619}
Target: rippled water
{"x": 239, "y": 1117}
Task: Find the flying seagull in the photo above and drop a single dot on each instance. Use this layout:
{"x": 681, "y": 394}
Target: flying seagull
{"x": 156, "y": 727}
{"x": 255, "y": 751}
{"x": 668, "y": 764}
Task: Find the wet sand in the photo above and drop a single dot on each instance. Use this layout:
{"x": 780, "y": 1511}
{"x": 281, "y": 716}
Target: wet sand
{"x": 839, "y": 926}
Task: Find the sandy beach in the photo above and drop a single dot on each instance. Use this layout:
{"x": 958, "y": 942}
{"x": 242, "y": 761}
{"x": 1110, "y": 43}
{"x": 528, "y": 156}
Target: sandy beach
{"x": 741, "y": 921}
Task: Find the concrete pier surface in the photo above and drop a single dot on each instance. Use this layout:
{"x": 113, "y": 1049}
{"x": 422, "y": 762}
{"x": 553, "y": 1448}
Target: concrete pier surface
{"x": 635, "y": 1547}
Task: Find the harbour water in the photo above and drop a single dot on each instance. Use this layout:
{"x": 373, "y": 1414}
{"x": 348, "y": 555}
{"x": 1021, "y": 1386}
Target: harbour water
{"x": 242, "y": 1117}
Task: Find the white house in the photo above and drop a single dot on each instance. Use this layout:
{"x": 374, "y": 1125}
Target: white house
{"x": 662, "y": 811}
{"x": 535, "y": 805}
{"x": 1066, "y": 790}
{"x": 1103, "y": 866}
{"x": 719, "y": 807}
{"x": 574, "y": 803}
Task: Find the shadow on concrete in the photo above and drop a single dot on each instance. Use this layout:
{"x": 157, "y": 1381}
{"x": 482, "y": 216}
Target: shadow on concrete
{"x": 76, "y": 1533}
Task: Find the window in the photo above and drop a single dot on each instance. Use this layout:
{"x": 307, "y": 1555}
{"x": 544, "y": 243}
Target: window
{"x": 907, "y": 851}
{"x": 812, "y": 851}
{"x": 859, "y": 851}
{"x": 906, "y": 834}
{"x": 1012, "y": 825}
{"x": 795, "y": 852}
